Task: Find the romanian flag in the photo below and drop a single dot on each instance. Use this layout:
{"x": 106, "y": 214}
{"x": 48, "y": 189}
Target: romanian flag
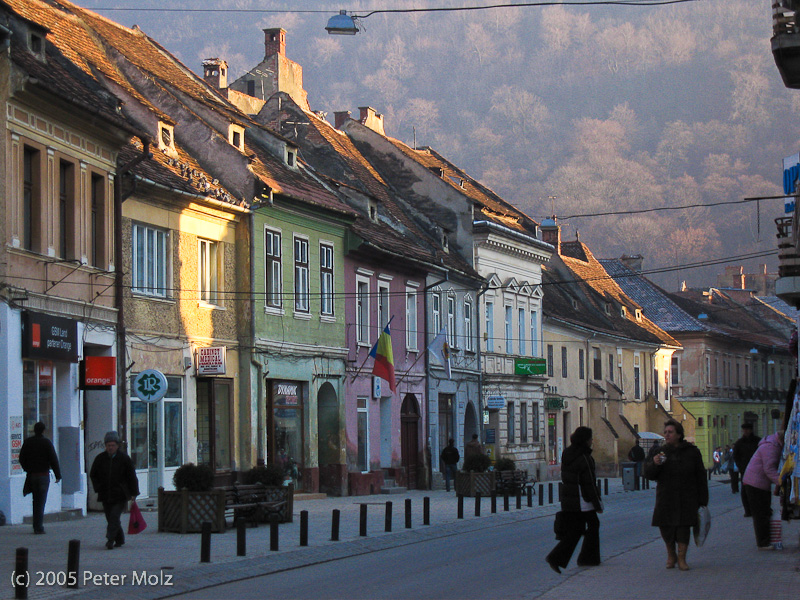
{"x": 384, "y": 359}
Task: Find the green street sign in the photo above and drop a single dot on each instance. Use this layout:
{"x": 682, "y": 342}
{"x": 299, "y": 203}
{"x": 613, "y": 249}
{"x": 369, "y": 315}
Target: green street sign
{"x": 554, "y": 403}
{"x": 530, "y": 366}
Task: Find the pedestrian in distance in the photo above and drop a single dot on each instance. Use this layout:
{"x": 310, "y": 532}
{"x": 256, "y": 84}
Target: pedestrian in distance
{"x": 114, "y": 479}
{"x": 716, "y": 458}
{"x": 761, "y": 473}
{"x": 743, "y": 450}
{"x": 473, "y": 447}
{"x": 450, "y": 458}
{"x": 682, "y": 487}
{"x": 637, "y": 456}
{"x": 36, "y": 457}
{"x": 580, "y": 504}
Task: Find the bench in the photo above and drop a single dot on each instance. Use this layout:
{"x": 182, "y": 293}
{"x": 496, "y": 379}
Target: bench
{"x": 512, "y": 481}
{"x": 251, "y": 502}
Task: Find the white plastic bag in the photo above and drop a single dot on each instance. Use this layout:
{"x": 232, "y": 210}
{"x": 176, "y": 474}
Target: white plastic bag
{"x": 702, "y": 526}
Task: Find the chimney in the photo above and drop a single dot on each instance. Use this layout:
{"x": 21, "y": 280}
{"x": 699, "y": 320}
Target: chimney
{"x": 633, "y": 262}
{"x": 371, "y": 119}
{"x": 340, "y": 117}
{"x": 274, "y": 42}
{"x": 215, "y": 73}
{"x": 551, "y": 233}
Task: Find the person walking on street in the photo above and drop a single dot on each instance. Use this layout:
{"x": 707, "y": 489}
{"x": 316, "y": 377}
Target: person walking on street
{"x": 716, "y": 458}
{"x": 637, "y": 456}
{"x": 761, "y": 473}
{"x": 743, "y": 450}
{"x": 682, "y": 487}
{"x": 450, "y": 458}
{"x": 580, "y": 503}
{"x": 473, "y": 447}
{"x": 36, "y": 457}
{"x": 114, "y": 479}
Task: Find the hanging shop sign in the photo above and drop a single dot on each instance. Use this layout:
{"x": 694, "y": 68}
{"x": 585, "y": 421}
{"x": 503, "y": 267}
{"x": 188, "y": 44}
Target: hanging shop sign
{"x": 495, "y": 402}
{"x": 98, "y": 372}
{"x": 50, "y": 338}
{"x": 554, "y": 403}
{"x": 530, "y": 366}
{"x": 211, "y": 361}
{"x": 150, "y": 385}
{"x": 791, "y": 173}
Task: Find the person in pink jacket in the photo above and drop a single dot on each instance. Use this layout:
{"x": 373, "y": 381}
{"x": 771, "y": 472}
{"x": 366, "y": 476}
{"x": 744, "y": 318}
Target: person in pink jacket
{"x": 761, "y": 473}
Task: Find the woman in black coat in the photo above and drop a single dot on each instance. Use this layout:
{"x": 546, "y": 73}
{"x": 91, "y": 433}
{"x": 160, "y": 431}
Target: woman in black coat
{"x": 580, "y": 504}
{"x": 682, "y": 488}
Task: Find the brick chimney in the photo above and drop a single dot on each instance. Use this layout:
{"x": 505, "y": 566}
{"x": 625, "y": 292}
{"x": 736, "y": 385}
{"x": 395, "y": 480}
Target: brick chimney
{"x": 274, "y": 42}
{"x": 215, "y": 73}
{"x": 371, "y": 119}
{"x": 633, "y": 262}
{"x": 551, "y": 233}
{"x": 340, "y": 117}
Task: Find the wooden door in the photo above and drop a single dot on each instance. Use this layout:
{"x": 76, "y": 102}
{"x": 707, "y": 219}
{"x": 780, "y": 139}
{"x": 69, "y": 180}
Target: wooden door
{"x": 409, "y": 435}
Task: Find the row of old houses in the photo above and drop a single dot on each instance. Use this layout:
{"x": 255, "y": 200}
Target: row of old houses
{"x": 237, "y": 242}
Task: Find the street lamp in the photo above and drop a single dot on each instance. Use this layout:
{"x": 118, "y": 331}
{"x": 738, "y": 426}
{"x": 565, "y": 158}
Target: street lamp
{"x": 342, "y": 24}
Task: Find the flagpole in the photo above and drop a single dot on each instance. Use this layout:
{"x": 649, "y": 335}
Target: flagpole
{"x": 357, "y": 373}
{"x": 409, "y": 368}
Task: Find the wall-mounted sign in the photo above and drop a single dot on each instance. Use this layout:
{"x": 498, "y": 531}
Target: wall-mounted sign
{"x": 286, "y": 393}
{"x": 211, "y": 361}
{"x": 530, "y": 366}
{"x": 491, "y": 436}
{"x": 150, "y": 385}
{"x": 554, "y": 403}
{"x": 49, "y": 338}
{"x": 15, "y": 429}
{"x": 376, "y": 387}
{"x": 495, "y": 402}
{"x": 98, "y": 372}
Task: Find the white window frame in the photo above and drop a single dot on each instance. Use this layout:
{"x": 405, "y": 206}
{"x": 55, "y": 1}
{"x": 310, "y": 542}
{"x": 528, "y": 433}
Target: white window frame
{"x": 302, "y": 275}
{"x": 384, "y": 303}
{"x": 489, "y": 326}
{"x": 436, "y": 313}
{"x": 534, "y": 333}
{"x": 362, "y": 311}
{"x": 411, "y": 319}
{"x": 451, "y": 321}
{"x": 521, "y": 330}
{"x": 468, "y": 325}
{"x": 156, "y": 269}
{"x": 208, "y": 271}
{"x": 509, "y": 328}
{"x": 273, "y": 268}
{"x": 327, "y": 278}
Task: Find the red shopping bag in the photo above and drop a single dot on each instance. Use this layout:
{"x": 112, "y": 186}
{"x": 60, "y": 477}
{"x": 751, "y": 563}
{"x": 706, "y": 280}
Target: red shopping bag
{"x": 136, "y": 524}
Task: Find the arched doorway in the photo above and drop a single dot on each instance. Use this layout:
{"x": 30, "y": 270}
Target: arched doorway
{"x": 409, "y": 438}
{"x": 470, "y": 423}
{"x": 328, "y": 441}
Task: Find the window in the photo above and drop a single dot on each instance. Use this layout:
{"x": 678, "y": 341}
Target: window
{"x": 549, "y": 360}
{"x": 207, "y": 269}
{"x": 489, "y": 326}
{"x": 611, "y": 366}
{"x": 581, "y": 364}
{"x": 564, "y": 362}
{"x": 436, "y": 311}
{"x": 535, "y": 422}
{"x": 274, "y": 271}
{"x": 510, "y": 422}
{"x": 451, "y": 321}
{"x": 523, "y": 423}
{"x": 31, "y": 198}
{"x": 597, "y": 364}
{"x": 468, "y": 325}
{"x": 637, "y": 387}
{"x": 38, "y": 379}
{"x": 509, "y": 331}
{"x": 411, "y": 319}
{"x": 66, "y": 210}
{"x": 98, "y": 222}
{"x": 363, "y": 435}
{"x": 383, "y": 304}
{"x": 655, "y": 382}
{"x": 150, "y": 259}
{"x": 534, "y": 334}
{"x": 362, "y": 312}
{"x": 301, "y": 275}
{"x": 144, "y": 428}
{"x": 521, "y": 330}
{"x": 326, "y": 279}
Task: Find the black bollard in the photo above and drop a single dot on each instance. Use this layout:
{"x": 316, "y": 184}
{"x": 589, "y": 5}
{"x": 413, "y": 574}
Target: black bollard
{"x": 273, "y": 533}
{"x": 387, "y": 525}
{"x": 530, "y": 496}
{"x": 519, "y": 498}
{"x": 494, "y": 502}
{"x": 477, "y": 504}
{"x": 241, "y": 537}
{"x": 605, "y": 486}
{"x": 335, "y": 525}
{"x": 362, "y": 521}
{"x": 541, "y": 494}
{"x": 205, "y": 542}
{"x": 505, "y": 500}
{"x": 408, "y": 513}
{"x": 560, "y": 489}
{"x": 550, "y": 493}
{"x": 460, "y": 506}
{"x": 73, "y": 560}
{"x": 304, "y": 528}
{"x": 21, "y": 575}
{"x": 426, "y": 511}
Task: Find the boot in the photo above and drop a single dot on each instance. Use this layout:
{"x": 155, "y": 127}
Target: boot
{"x": 682, "y": 548}
{"x": 672, "y": 558}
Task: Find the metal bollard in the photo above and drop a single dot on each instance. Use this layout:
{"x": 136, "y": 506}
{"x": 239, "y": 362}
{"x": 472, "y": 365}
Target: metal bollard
{"x": 505, "y": 500}
{"x": 541, "y": 494}
{"x": 550, "y": 493}
{"x": 519, "y": 499}
{"x": 73, "y": 560}
{"x": 408, "y": 513}
{"x": 21, "y": 575}
{"x": 205, "y": 542}
{"x": 477, "y": 504}
{"x": 530, "y": 496}
{"x": 335, "y": 525}
{"x": 560, "y": 489}
{"x": 241, "y": 537}
{"x": 605, "y": 486}
{"x": 494, "y": 502}
{"x": 460, "y": 506}
{"x": 304, "y": 528}
{"x": 426, "y": 510}
{"x": 387, "y": 520}
{"x": 273, "y": 533}
{"x": 362, "y": 521}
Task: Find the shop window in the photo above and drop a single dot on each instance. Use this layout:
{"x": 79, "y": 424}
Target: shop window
{"x": 214, "y": 436}
{"x": 144, "y": 438}
{"x": 286, "y": 426}
{"x": 37, "y": 394}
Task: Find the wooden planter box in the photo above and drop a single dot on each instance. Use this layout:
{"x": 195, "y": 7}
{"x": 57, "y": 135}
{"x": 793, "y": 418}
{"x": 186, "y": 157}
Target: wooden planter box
{"x": 467, "y": 484}
{"x": 282, "y": 493}
{"x": 183, "y": 511}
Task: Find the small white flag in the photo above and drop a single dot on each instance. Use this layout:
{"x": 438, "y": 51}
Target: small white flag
{"x": 441, "y": 350}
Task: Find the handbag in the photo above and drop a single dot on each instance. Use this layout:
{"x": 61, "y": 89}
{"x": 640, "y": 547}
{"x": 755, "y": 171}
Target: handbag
{"x": 702, "y": 526}
{"x": 136, "y": 524}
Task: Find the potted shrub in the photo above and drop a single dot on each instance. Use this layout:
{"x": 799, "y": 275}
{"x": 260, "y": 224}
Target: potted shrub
{"x": 194, "y": 501}
{"x": 474, "y": 477}
{"x": 272, "y": 477}
{"x": 505, "y": 464}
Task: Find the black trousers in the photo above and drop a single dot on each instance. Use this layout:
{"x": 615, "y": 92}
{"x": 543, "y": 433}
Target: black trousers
{"x": 113, "y": 512}
{"x": 578, "y": 524}
{"x": 734, "y": 481}
{"x": 761, "y": 509}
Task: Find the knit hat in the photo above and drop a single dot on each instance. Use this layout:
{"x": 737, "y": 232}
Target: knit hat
{"x": 111, "y": 436}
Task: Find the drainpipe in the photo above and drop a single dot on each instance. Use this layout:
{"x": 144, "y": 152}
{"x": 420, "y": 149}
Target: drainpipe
{"x": 122, "y": 371}
{"x": 261, "y": 454}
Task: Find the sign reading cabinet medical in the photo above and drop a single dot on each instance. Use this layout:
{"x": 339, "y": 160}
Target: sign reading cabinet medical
{"x": 150, "y": 385}
{"x": 49, "y": 338}
{"x": 211, "y": 361}
{"x": 791, "y": 173}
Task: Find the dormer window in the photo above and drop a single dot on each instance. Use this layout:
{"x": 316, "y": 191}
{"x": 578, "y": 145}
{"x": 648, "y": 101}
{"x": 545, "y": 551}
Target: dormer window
{"x": 373, "y": 211}
{"x": 36, "y": 45}
{"x": 445, "y": 242}
{"x": 291, "y": 157}
{"x": 623, "y": 312}
{"x": 166, "y": 139}
{"x": 236, "y": 137}
{"x": 638, "y": 314}
{"x": 607, "y": 308}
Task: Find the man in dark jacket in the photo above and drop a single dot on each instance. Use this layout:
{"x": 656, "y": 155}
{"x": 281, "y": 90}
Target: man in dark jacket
{"x": 114, "y": 479}
{"x": 450, "y": 458}
{"x": 37, "y": 456}
{"x": 743, "y": 450}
